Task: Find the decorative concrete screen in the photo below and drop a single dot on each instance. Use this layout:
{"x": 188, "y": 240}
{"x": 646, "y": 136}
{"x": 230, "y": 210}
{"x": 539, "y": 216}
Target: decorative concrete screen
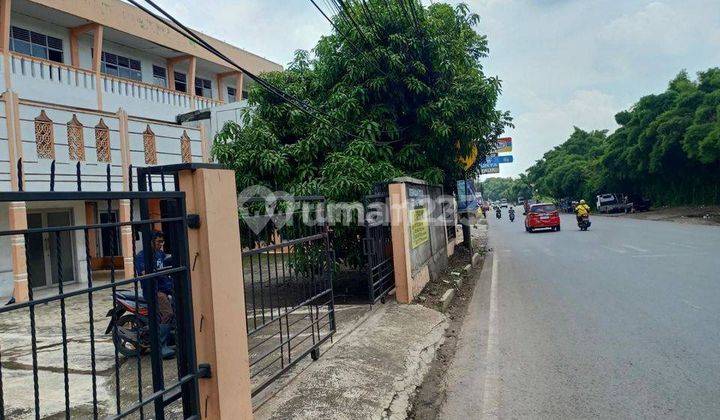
{"x": 36, "y": 168}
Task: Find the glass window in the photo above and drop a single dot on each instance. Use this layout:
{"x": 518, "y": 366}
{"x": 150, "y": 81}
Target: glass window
{"x": 203, "y": 87}
{"x": 231, "y": 93}
{"x": 118, "y": 65}
{"x": 159, "y": 76}
{"x": 36, "y": 44}
{"x": 180, "y": 82}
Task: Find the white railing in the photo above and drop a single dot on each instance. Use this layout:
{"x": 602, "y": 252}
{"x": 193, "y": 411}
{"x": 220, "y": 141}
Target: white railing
{"x": 153, "y": 93}
{"x": 39, "y": 69}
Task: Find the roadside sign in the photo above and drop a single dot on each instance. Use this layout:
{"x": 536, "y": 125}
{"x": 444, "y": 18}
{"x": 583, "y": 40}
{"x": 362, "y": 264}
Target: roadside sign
{"x": 466, "y": 196}
{"x": 504, "y": 145}
{"x": 467, "y": 161}
{"x": 492, "y": 161}
{"x": 490, "y": 170}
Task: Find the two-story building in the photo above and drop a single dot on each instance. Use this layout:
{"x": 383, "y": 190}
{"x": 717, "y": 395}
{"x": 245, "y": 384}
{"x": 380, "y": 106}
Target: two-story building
{"x": 92, "y": 85}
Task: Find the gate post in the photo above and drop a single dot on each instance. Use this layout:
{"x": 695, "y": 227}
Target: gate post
{"x": 400, "y": 242}
{"x": 217, "y": 291}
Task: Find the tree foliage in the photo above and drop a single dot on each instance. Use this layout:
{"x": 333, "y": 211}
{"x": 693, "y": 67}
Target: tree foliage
{"x": 400, "y": 92}
{"x": 666, "y": 148}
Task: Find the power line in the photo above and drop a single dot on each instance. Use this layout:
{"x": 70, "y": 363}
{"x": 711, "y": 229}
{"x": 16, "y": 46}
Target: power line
{"x": 290, "y": 99}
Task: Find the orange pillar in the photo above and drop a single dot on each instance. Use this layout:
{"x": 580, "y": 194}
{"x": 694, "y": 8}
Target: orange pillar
{"x": 400, "y": 242}
{"x": 217, "y": 293}
{"x": 18, "y": 221}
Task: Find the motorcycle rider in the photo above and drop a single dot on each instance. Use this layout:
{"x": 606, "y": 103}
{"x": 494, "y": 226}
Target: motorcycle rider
{"x": 582, "y": 210}
{"x": 162, "y": 286}
{"x": 511, "y": 213}
{"x": 498, "y": 212}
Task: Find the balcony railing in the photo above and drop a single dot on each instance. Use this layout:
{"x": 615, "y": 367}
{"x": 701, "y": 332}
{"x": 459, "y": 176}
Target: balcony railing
{"x": 63, "y": 74}
{"x": 38, "y": 68}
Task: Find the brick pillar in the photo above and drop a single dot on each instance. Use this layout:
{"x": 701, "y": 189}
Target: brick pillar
{"x": 217, "y": 293}
{"x": 18, "y": 221}
{"x": 126, "y": 239}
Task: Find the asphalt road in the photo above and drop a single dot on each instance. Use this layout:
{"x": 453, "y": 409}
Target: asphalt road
{"x": 622, "y": 321}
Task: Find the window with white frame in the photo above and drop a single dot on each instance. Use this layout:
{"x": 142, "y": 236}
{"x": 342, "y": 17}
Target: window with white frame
{"x": 36, "y": 44}
{"x": 159, "y": 76}
{"x": 203, "y": 87}
{"x": 117, "y": 65}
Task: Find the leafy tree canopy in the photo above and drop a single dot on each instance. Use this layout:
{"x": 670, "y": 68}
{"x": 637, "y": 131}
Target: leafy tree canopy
{"x": 666, "y": 148}
{"x": 401, "y": 91}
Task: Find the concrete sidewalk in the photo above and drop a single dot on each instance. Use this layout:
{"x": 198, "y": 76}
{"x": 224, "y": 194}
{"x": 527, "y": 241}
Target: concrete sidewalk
{"x": 369, "y": 372}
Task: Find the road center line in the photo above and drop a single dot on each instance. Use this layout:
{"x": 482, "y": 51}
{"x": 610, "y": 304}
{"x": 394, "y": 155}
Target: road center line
{"x": 682, "y": 245}
{"x": 635, "y": 248}
{"x": 491, "y": 388}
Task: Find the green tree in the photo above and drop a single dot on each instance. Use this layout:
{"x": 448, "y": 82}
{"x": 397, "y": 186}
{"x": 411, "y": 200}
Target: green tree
{"x": 400, "y": 90}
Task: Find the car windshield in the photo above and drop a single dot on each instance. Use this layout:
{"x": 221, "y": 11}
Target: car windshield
{"x": 543, "y": 208}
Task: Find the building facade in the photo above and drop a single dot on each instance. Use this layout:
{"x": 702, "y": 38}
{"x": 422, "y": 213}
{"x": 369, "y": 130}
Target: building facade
{"x": 89, "y": 88}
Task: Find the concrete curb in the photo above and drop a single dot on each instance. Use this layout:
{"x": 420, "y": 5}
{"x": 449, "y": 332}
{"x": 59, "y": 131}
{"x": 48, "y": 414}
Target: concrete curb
{"x": 476, "y": 259}
{"x": 446, "y": 299}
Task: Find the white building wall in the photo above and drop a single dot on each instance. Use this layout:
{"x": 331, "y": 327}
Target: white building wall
{"x": 37, "y": 170}
{"x": 4, "y": 152}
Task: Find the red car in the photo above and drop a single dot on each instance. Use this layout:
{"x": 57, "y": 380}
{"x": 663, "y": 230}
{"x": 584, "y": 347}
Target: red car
{"x": 543, "y": 215}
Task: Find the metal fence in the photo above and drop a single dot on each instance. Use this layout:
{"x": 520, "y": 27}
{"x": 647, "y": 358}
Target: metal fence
{"x": 287, "y": 266}
{"x": 377, "y": 245}
{"x": 61, "y": 334}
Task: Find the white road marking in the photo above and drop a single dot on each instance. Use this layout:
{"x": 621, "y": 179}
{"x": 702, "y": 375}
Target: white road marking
{"x": 491, "y": 388}
{"x": 619, "y": 251}
{"x": 635, "y": 248}
{"x": 692, "y": 306}
{"x": 682, "y": 245}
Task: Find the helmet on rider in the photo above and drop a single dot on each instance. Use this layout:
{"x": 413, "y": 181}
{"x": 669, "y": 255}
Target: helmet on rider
{"x": 582, "y": 201}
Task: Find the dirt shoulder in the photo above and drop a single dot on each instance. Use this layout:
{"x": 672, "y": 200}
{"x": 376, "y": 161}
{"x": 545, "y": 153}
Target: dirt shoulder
{"x": 697, "y": 215}
{"x": 430, "y": 395}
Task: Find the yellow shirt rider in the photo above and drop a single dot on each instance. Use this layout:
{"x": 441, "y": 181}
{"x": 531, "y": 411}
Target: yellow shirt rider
{"x": 582, "y": 209}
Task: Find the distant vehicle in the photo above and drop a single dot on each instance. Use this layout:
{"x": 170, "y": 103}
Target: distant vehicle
{"x": 521, "y": 201}
{"x": 503, "y": 203}
{"x": 611, "y": 203}
{"x": 542, "y": 216}
{"x": 584, "y": 222}
{"x": 635, "y": 203}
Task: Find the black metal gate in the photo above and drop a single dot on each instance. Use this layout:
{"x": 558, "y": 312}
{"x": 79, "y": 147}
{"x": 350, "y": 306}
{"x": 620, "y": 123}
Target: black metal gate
{"x": 69, "y": 317}
{"x": 287, "y": 267}
{"x": 377, "y": 245}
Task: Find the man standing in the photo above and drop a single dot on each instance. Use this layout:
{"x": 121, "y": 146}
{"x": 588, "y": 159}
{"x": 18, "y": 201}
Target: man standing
{"x": 162, "y": 286}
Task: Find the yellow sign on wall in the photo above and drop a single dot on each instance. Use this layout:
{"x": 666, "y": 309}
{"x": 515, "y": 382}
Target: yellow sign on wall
{"x": 419, "y": 232}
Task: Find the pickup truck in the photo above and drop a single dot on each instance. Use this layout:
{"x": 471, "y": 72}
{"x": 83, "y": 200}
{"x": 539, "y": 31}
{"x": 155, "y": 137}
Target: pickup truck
{"x": 611, "y": 203}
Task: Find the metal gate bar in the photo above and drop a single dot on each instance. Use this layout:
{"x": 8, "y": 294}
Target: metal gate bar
{"x": 100, "y": 298}
{"x": 377, "y": 247}
{"x": 287, "y": 271}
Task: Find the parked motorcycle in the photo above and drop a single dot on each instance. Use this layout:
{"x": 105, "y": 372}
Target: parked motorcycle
{"x": 584, "y": 222}
{"x": 130, "y": 326}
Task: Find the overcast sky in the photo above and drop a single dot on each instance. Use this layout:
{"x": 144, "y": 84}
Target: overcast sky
{"x": 563, "y": 63}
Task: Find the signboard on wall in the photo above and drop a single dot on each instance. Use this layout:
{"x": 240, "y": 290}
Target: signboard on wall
{"x": 419, "y": 232}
